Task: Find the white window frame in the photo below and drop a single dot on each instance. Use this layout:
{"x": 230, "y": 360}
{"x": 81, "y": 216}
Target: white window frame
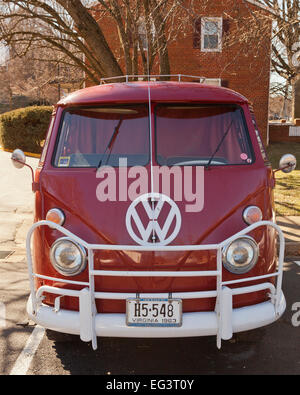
{"x": 219, "y": 20}
{"x": 294, "y": 131}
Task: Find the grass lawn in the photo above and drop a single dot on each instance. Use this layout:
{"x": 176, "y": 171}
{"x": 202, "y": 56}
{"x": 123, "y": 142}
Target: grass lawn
{"x": 287, "y": 190}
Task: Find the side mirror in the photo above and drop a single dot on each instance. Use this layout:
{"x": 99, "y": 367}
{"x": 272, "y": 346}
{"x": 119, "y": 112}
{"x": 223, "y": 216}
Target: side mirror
{"x": 18, "y": 158}
{"x": 287, "y": 163}
{"x": 19, "y": 161}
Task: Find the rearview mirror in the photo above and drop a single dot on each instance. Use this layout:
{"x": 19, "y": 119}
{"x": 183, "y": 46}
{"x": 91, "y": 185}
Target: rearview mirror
{"x": 18, "y": 158}
{"x": 287, "y": 163}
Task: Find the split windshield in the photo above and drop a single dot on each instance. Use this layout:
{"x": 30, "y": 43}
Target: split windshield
{"x": 184, "y": 135}
{"x": 201, "y": 135}
{"x": 92, "y": 137}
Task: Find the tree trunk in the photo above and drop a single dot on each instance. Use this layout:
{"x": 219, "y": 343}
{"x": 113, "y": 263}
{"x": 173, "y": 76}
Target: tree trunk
{"x": 296, "y": 97}
{"x": 92, "y": 34}
{"x": 164, "y": 63}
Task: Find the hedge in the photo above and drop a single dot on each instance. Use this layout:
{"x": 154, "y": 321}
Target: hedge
{"x": 25, "y": 128}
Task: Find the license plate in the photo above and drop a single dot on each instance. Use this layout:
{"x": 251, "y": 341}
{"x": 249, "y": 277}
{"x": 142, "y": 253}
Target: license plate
{"x": 154, "y": 312}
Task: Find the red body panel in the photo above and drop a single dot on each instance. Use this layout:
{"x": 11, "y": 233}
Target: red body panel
{"x": 228, "y": 191}
{"x": 160, "y": 92}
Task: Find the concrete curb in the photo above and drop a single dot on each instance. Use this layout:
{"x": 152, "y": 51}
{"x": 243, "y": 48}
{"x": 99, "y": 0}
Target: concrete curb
{"x": 32, "y": 155}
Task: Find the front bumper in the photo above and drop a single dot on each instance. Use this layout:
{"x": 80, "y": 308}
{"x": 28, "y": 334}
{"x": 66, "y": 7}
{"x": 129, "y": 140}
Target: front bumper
{"x": 222, "y": 322}
{"x": 194, "y": 324}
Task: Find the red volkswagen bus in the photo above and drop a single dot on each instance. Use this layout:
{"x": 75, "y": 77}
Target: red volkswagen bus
{"x": 154, "y": 215}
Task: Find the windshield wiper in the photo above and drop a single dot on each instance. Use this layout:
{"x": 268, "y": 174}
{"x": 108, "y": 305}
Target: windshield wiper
{"x": 110, "y": 144}
{"x": 218, "y": 146}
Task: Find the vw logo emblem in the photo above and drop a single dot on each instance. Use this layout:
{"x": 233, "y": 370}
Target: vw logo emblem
{"x": 153, "y": 218}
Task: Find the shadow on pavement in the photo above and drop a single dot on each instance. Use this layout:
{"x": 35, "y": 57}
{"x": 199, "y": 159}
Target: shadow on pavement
{"x": 272, "y": 350}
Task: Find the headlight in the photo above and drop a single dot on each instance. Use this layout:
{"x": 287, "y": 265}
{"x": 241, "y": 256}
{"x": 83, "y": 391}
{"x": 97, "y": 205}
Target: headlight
{"x": 67, "y": 257}
{"x": 241, "y": 255}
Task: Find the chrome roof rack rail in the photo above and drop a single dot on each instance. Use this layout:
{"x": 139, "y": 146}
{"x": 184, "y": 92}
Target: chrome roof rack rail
{"x": 150, "y": 77}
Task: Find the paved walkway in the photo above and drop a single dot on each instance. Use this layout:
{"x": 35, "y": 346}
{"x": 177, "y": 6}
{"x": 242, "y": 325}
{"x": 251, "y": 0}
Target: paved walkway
{"x": 16, "y": 204}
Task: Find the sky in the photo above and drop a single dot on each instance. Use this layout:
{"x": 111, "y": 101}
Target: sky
{"x": 3, "y": 54}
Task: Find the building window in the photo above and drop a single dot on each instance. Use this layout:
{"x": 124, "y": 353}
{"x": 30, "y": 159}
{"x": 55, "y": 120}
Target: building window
{"x": 211, "y": 34}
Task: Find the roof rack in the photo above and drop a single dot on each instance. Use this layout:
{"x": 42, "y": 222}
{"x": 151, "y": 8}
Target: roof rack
{"x": 152, "y": 77}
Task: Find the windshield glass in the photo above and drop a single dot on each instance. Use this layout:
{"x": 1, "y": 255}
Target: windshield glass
{"x": 92, "y": 136}
{"x": 201, "y": 135}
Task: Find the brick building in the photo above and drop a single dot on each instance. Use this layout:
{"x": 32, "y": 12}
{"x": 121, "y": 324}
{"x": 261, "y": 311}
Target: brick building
{"x": 215, "y": 44}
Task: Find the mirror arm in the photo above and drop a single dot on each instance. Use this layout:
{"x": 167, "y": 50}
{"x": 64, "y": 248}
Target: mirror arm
{"x": 282, "y": 168}
{"x": 35, "y": 185}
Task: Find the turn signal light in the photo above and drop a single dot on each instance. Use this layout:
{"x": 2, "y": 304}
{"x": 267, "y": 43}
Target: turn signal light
{"x": 56, "y": 215}
{"x": 252, "y": 214}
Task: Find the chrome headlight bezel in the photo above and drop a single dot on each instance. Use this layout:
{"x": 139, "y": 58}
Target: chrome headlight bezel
{"x": 68, "y": 271}
{"x": 250, "y": 245}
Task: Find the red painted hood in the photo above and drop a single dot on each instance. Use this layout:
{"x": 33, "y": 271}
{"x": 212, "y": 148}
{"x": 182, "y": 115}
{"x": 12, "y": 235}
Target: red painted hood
{"x": 227, "y": 191}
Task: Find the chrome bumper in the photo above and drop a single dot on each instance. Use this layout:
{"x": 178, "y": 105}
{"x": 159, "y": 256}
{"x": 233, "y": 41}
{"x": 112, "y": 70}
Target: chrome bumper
{"x": 222, "y": 322}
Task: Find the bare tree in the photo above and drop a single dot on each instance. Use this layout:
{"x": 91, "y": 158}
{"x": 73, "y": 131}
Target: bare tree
{"x": 73, "y": 28}
{"x": 145, "y": 28}
{"x": 285, "y": 41}
{"x": 36, "y": 24}
{"x": 286, "y": 36}
{"x": 73, "y": 32}
{"x": 38, "y": 74}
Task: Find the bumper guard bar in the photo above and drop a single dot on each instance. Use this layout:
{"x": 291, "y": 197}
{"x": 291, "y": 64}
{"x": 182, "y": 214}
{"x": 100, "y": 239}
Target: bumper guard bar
{"x": 223, "y": 322}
